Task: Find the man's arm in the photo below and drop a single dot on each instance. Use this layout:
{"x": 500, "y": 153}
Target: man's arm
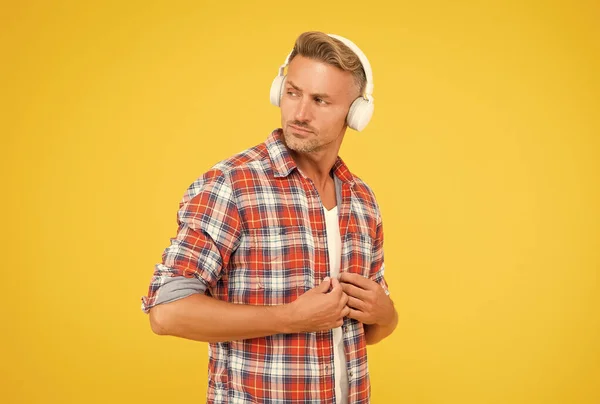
{"x": 203, "y": 318}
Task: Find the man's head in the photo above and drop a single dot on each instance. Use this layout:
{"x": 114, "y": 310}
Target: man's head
{"x": 328, "y": 49}
{"x": 324, "y": 78}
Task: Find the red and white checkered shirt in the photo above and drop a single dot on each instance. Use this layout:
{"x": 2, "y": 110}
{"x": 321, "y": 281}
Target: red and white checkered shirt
{"x": 252, "y": 231}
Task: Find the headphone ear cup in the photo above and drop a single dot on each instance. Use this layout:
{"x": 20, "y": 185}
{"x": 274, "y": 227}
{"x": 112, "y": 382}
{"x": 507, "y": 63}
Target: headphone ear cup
{"x": 277, "y": 90}
{"x": 360, "y": 114}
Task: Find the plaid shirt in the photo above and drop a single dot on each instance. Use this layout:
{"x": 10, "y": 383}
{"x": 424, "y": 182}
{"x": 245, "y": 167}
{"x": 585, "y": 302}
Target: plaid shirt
{"x": 252, "y": 231}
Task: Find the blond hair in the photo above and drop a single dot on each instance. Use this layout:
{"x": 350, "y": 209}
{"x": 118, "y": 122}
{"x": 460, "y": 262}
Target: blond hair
{"x": 320, "y": 46}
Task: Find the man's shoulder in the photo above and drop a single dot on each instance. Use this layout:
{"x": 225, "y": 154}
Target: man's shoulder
{"x": 365, "y": 194}
{"x": 362, "y": 189}
{"x": 253, "y": 157}
{"x": 221, "y": 176}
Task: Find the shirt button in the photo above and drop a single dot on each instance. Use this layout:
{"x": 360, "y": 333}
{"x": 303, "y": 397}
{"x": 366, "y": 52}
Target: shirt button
{"x": 327, "y": 369}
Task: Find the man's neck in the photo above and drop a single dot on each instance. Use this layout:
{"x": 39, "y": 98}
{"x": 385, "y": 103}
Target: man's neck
{"x": 316, "y": 166}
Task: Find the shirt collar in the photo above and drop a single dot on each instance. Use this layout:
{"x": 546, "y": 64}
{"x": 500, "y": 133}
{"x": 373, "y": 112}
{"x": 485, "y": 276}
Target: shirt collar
{"x": 283, "y": 163}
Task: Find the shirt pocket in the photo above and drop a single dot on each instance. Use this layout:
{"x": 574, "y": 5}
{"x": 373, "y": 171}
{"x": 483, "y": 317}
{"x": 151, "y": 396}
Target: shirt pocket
{"x": 359, "y": 250}
{"x": 278, "y": 269}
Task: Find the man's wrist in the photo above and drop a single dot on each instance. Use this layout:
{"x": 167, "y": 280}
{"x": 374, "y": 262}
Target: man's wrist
{"x": 391, "y": 317}
{"x": 282, "y": 316}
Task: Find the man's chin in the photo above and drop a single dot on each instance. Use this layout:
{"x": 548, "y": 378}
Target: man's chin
{"x": 300, "y": 146}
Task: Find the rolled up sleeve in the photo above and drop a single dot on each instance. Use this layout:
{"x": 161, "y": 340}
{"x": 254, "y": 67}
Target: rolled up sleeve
{"x": 208, "y": 233}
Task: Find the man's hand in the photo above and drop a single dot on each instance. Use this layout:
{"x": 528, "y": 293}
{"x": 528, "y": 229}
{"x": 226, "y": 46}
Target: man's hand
{"x": 367, "y": 300}
{"x": 319, "y": 309}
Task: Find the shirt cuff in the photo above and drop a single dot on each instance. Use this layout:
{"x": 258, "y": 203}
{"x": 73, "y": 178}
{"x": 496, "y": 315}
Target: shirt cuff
{"x": 174, "y": 288}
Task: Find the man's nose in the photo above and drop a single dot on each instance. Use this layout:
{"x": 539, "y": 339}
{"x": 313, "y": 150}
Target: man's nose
{"x": 303, "y": 111}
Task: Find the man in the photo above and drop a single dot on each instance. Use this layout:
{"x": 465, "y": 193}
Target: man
{"x": 278, "y": 258}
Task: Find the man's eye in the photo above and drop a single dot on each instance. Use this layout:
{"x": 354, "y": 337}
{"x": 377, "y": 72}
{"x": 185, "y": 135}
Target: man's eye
{"x": 320, "y": 101}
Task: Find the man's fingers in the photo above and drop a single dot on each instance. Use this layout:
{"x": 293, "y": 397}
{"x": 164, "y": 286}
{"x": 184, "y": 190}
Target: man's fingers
{"x": 357, "y": 280}
{"x": 345, "y": 298}
{"x": 345, "y": 311}
{"x": 355, "y": 303}
{"x": 356, "y": 315}
{"x": 354, "y": 291}
{"x": 336, "y": 287}
{"x": 343, "y": 302}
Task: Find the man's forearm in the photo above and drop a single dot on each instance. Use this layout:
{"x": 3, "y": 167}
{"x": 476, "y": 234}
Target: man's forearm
{"x": 376, "y": 332}
{"x": 202, "y": 318}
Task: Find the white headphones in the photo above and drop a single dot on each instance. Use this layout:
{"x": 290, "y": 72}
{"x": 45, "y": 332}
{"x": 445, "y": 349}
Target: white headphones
{"x": 361, "y": 110}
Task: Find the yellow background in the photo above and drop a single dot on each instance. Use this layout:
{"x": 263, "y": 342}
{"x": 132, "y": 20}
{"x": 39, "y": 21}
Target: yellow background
{"x": 483, "y": 152}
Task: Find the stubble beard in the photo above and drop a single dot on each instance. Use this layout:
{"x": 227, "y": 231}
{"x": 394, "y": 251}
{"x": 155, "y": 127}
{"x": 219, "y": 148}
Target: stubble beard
{"x": 300, "y": 145}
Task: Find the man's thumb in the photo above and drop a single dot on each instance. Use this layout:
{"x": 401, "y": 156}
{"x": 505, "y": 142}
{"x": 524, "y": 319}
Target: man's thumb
{"x": 324, "y": 285}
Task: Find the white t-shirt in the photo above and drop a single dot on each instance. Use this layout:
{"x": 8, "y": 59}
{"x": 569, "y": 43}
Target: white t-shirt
{"x": 334, "y": 246}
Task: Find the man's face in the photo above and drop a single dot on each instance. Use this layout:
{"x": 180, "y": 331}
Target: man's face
{"x": 314, "y": 104}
